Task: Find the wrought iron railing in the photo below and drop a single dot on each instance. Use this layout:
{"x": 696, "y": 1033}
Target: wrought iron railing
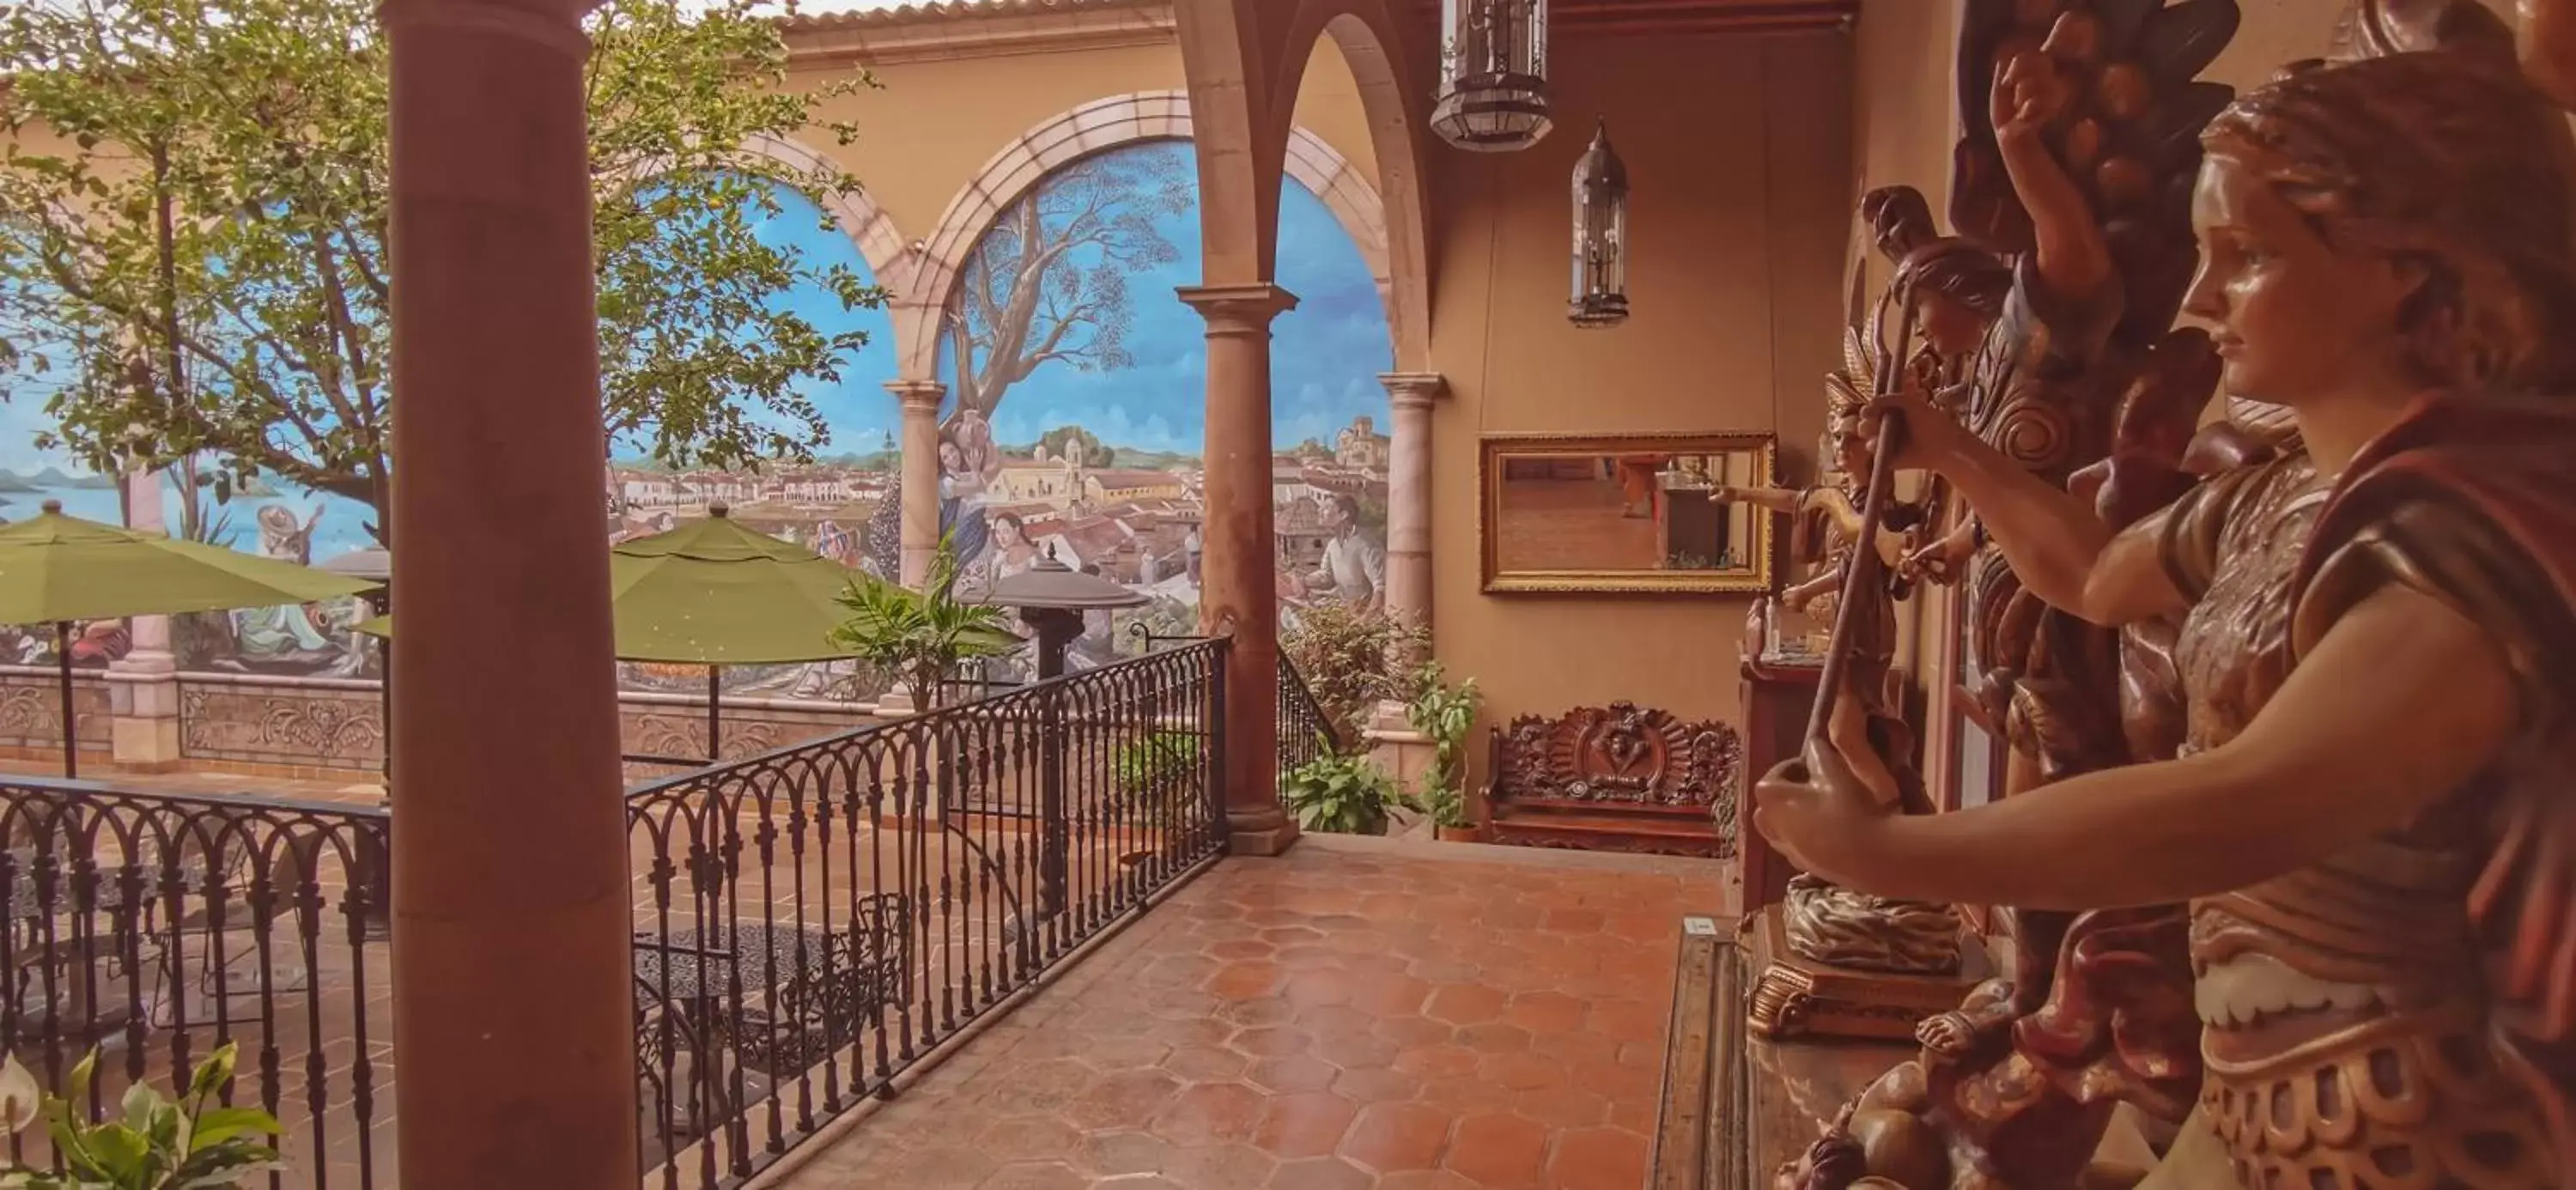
{"x": 1305, "y": 731}
{"x": 812, "y": 922}
{"x": 152, "y": 928}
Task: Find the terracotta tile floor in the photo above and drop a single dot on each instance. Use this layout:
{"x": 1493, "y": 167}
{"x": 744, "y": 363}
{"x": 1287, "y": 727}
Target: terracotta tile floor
{"x": 1350, "y": 1016}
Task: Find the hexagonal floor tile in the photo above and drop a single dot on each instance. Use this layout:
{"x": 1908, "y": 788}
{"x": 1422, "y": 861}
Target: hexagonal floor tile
{"x": 1326, "y": 1021}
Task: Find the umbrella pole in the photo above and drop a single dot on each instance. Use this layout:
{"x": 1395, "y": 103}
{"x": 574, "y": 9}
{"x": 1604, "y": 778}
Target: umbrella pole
{"x": 63, "y": 662}
{"x": 715, "y": 717}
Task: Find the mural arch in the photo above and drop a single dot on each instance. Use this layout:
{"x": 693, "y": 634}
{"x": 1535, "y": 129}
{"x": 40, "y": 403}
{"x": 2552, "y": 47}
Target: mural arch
{"x": 1097, "y": 127}
{"x": 1077, "y": 420}
{"x": 859, "y": 217}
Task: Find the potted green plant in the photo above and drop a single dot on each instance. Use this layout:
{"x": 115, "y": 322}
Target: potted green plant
{"x": 1444, "y": 714}
{"x": 1341, "y": 795}
{"x": 1341, "y": 652}
{"x": 919, "y": 636}
{"x": 1156, "y": 773}
{"x": 197, "y": 1143}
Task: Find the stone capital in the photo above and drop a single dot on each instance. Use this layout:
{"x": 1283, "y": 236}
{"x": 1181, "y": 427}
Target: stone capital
{"x": 1413, "y": 389}
{"x": 918, "y": 396}
{"x": 552, "y": 23}
{"x": 1238, "y": 309}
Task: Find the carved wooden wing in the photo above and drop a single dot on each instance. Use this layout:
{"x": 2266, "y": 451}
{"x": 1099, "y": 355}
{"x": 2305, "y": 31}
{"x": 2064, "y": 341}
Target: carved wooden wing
{"x": 2129, "y": 134}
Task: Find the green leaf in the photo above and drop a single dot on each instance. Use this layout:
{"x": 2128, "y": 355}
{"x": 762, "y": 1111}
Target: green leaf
{"x": 117, "y": 1151}
{"x": 220, "y": 1125}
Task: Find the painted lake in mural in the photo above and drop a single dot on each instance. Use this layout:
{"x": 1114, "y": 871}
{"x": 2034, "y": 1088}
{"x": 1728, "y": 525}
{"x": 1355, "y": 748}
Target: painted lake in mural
{"x": 1075, "y": 425}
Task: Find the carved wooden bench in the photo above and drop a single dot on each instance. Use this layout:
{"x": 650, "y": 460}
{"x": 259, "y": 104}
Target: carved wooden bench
{"x": 1616, "y": 778}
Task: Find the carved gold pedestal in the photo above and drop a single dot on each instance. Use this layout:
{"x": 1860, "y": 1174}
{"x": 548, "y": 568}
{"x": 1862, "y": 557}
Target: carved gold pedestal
{"x": 1793, "y": 997}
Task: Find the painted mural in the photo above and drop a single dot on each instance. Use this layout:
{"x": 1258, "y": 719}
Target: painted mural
{"x": 1074, "y": 426}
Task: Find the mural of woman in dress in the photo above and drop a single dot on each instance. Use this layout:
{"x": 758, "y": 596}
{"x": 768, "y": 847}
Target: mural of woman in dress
{"x": 968, "y": 464}
{"x": 1013, "y": 552}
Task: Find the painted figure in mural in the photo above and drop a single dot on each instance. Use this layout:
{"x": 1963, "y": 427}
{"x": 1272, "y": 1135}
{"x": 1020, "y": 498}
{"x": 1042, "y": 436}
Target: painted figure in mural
{"x": 2378, "y": 654}
{"x": 1013, "y": 552}
{"x": 100, "y": 642}
{"x": 969, "y": 461}
{"x": 834, "y": 542}
{"x": 288, "y": 637}
{"x": 1354, "y": 567}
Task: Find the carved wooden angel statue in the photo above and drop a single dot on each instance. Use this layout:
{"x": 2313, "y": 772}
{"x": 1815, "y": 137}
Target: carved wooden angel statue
{"x": 1825, "y": 517}
{"x": 2372, "y": 817}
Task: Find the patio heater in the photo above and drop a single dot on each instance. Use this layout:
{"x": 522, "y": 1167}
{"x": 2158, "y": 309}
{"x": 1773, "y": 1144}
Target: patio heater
{"x": 1051, "y": 598}
{"x": 1600, "y": 236}
{"x": 1493, "y": 75}
{"x": 375, "y": 564}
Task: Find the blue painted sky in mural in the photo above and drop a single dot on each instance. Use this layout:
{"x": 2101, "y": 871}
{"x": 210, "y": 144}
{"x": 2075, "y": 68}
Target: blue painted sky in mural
{"x": 857, "y": 408}
{"x": 1325, "y": 354}
{"x": 1325, "y": 357}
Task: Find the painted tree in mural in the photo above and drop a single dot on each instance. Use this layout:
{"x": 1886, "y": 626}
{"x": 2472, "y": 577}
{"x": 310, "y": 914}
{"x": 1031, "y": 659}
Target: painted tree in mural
{"x": 206, "y": 182}
{"x": 1048, "y": 282}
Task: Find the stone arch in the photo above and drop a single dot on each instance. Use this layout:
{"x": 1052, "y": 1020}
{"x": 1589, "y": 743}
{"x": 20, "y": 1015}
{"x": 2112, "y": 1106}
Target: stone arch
{"x": 890, "y": 257}
{"x": 1222, "y": 62}
{"x": 858, "y": 216}
{"x": 1367, "y": 35}
{"x": 1097, "y": 127}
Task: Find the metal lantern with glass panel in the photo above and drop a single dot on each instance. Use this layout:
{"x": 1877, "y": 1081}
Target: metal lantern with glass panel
{"x": 1493, "y": 75}
{"x": 1600, "y": 236}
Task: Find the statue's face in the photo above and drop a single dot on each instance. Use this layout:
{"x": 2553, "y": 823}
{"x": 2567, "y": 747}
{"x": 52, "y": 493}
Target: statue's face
{"x": 1954, "y": 330}
{"x": 2295, "y": 320}
{"x": 1851, "y": 451}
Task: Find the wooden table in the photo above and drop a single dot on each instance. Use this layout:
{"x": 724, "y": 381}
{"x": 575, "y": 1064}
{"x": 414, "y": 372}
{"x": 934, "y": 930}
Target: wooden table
{"x": 1737, "y": 1108}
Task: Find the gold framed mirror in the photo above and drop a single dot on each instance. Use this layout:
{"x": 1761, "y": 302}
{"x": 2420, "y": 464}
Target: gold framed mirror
{"x": 1624, "y": 513}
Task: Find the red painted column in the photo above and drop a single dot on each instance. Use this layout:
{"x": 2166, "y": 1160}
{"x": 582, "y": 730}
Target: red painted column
{"x": 1238, "y": 587}
{"x": 513, "y": 990}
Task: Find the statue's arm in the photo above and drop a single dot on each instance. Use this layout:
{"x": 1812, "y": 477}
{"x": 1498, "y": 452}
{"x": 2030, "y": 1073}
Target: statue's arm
{"x": 2058, "y": 546}
{"x": 2073, "y": 259}
{"x": 1775, "y": 499}
{"x": 2400, "y": 703}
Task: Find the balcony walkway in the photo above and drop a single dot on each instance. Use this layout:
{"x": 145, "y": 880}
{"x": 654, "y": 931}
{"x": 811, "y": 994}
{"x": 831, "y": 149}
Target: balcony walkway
{"x": 1358, "y": 1014}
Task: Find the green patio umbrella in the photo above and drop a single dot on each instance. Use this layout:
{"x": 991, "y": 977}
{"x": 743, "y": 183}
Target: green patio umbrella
{"x": 55, "y": 569}
{"x": 714, "y": 593}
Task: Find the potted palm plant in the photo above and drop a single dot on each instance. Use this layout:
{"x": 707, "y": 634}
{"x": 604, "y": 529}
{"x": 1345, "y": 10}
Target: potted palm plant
{"x": 920, "y": 636}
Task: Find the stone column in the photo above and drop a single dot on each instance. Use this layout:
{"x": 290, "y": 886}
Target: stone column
{"x": 920, "y": 401}
{"x": 1239, "y": 576}
{"x": 143, "y": 685}
{"x": 1408, "y": 502}
{"x": 513, "y": 974}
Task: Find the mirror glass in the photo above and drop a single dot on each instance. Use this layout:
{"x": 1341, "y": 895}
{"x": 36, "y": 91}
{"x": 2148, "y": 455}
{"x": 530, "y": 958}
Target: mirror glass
{"x": 1636, "y": 513}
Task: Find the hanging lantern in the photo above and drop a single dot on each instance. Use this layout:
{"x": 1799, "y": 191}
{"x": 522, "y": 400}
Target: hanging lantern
{"x": 1493, "y": 78}
{"x": 1600, "y": 236}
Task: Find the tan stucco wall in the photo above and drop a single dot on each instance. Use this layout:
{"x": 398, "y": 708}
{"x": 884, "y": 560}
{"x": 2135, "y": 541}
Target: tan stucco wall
{"x": 1739, "y": 156}
{"x": 930, "y": 126}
